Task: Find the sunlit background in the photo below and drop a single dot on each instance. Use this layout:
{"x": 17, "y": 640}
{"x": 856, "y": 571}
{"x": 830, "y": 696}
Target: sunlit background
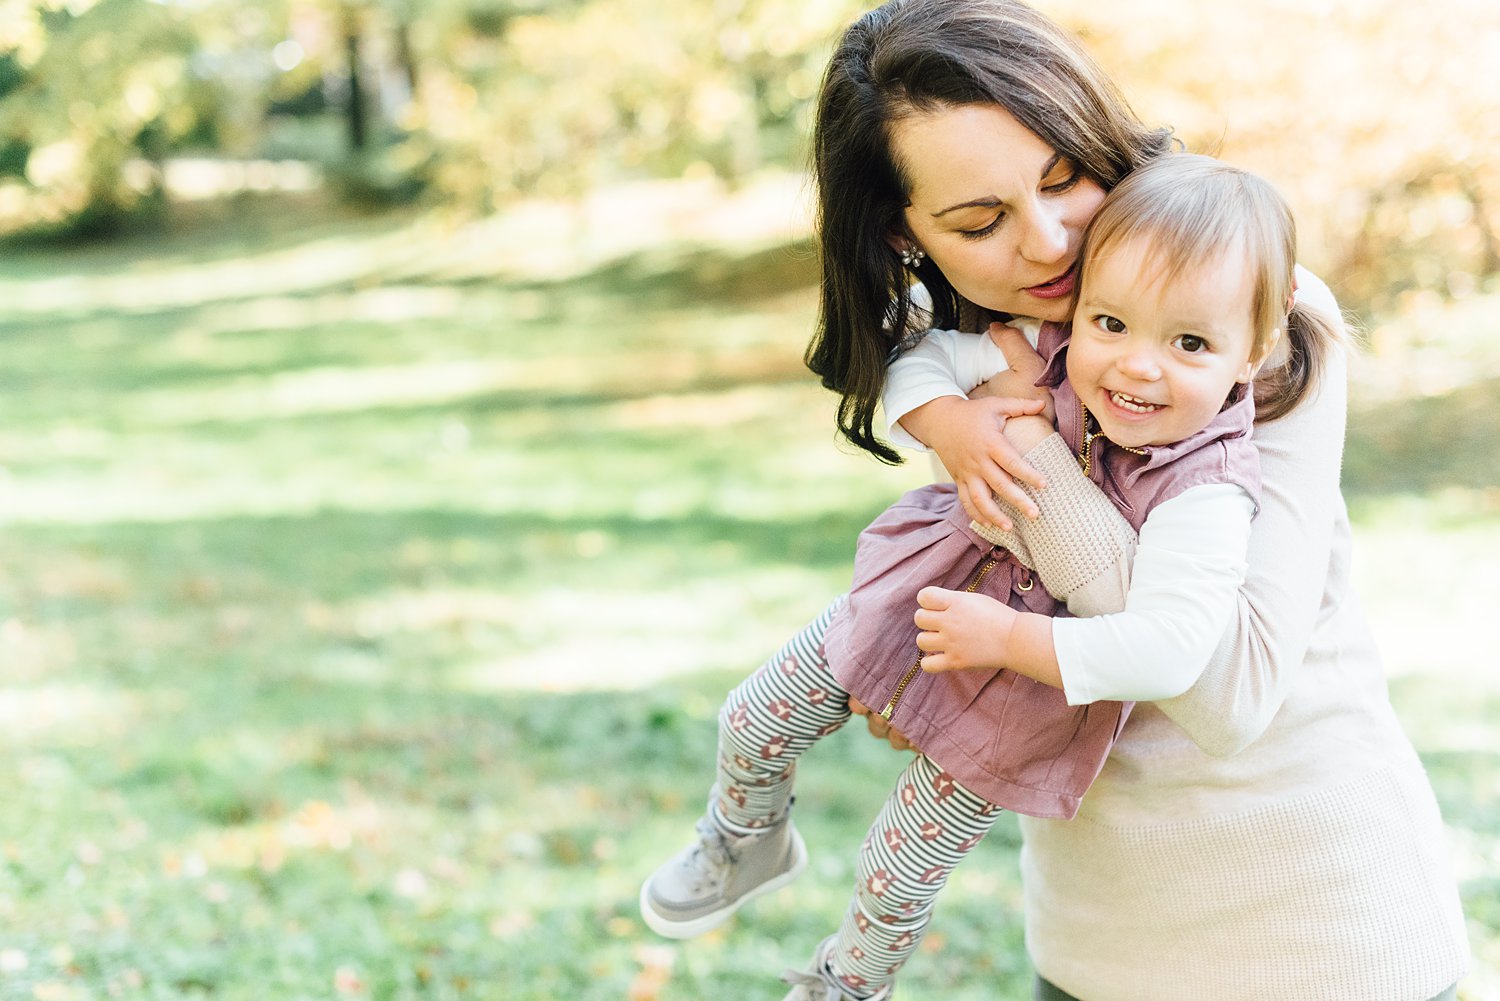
{"x": 404, "y": 443}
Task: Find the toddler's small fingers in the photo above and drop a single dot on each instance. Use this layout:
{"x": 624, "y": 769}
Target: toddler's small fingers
{"x": 936, "y": 663}
{"x": 934, "y": 598}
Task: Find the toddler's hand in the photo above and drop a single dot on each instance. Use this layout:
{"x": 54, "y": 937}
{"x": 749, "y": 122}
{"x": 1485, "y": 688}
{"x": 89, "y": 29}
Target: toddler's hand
{"x": 962, "y": 631}
{"x": 1018, "y": 381}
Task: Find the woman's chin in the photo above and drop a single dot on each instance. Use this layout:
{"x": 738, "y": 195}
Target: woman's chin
{"x": 1047, "y": 310}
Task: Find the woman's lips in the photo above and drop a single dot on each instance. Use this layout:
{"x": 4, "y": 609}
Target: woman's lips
{"x": 1058, "y": 287}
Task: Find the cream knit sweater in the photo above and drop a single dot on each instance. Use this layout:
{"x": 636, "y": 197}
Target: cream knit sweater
{"x": 1270, "y": 835}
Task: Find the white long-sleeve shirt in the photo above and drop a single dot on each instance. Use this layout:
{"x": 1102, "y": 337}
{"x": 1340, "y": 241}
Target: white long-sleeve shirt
{"x": 1189, "y": 564}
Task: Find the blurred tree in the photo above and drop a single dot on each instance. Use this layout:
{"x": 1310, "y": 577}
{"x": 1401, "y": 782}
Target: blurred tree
{"x": 524, "y": 98}
{"x": 1379, "y": 120}
{"x": 85, "y": 89}
{"x": 1372, "y": 115}
{"x": 352, "y": 28}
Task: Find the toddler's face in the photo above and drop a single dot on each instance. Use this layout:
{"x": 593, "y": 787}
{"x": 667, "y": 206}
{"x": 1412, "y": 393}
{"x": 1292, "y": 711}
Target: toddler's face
{"x": 1152, "y": 360}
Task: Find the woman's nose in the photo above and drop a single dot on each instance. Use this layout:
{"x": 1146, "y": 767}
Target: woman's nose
{"x": 1045, "y": 240}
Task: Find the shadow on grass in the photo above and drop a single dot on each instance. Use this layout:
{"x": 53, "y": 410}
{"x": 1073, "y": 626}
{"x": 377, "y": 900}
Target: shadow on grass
{"x": 1422, "y": 445}
{"x": 337, "y": 555}
{"x": 82, "y": 351}
{"x": 688, "y": 275}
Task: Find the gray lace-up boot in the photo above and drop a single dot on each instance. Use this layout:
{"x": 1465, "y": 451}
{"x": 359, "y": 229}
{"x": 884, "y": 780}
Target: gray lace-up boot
{"x": 818, "y": 983}
{"x": 701, "y": 886}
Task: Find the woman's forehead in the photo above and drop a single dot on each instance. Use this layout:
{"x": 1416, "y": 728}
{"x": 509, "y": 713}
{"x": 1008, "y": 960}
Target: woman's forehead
{"x": 954, "y": 153}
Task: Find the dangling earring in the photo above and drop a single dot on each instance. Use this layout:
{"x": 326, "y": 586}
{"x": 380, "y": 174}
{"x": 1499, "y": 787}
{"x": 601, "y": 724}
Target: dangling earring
{"x": 913, "y": 256}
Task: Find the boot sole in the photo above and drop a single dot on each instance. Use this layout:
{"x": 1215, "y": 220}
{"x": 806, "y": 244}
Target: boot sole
{"x": 694, "y": 927}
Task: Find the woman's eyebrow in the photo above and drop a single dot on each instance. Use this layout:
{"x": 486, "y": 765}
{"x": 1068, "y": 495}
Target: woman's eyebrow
{"x": 990, "y": 201}
{"x": 987, "y": 202}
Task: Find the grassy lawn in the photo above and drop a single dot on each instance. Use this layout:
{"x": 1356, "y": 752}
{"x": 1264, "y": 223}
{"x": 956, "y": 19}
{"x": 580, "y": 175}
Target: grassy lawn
{"x": 368, "y": 587}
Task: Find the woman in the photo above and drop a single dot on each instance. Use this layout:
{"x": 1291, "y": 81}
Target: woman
{"x": 1271, "y": 832}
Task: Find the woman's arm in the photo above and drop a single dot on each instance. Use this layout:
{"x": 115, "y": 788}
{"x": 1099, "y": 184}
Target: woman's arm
{"x": 943, "y": 364}
{"x": 1291, "y": 544}
{"x": 926, "y": 403}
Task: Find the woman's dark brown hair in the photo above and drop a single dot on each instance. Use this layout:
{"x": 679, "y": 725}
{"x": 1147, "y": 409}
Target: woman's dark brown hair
{"x": 907, "y": 57}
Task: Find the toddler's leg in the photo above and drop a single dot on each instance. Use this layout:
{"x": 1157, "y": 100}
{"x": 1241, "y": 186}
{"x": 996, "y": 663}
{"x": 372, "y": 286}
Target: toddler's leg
{"x": 927, "y": 826}
{"x": 774, "y": 715}
{"x": 746, "y": 843}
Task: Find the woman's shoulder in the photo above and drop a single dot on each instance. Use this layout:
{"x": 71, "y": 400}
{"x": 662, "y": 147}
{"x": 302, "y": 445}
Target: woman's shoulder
{"x": 1314, "y": 292}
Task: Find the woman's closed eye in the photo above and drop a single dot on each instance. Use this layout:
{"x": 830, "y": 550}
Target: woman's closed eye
{"x": 983, "y": 231}
{"x": 1073, "y": 176}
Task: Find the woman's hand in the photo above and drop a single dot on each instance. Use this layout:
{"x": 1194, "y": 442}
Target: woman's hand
{"x": 969, "y": 438}
{"x": 879, "y": 728}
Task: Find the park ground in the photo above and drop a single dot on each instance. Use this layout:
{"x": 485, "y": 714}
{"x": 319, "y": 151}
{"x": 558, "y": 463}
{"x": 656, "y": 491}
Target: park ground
{"x": 368, "y": 586}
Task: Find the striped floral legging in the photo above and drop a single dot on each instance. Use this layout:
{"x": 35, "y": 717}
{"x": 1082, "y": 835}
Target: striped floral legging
{"x": 925, "y": 828}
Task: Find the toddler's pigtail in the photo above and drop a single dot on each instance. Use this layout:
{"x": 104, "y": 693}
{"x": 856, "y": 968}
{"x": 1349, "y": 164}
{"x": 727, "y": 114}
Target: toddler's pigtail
{"x": 1310, "y": 335}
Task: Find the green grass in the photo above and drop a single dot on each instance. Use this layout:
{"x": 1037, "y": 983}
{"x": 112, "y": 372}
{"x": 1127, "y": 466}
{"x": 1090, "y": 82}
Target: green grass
{"x": 365, "y": 603}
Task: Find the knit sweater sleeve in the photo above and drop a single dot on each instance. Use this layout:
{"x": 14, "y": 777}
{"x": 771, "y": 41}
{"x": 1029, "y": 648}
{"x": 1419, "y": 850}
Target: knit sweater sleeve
{"x": 1083, "y": 557}
{"x": 1081, "y": 548}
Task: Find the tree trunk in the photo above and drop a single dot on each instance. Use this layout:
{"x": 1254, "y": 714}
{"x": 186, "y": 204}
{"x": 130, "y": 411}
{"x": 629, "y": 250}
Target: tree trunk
{"x": 356, "y": 112}
{"x": 405, "y": 56}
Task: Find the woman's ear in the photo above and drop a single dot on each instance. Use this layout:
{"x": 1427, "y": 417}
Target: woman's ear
{"x": 900, "y": 241}
{"x": 910, "y": 252}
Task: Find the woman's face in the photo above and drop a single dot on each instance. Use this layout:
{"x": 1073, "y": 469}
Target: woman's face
{"x": 996, "y": 208}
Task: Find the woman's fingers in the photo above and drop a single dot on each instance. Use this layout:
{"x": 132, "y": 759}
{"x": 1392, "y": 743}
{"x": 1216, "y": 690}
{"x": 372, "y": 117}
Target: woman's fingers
{"x": 1007, "y": 490}
{"x": 1016, "y": 406}
{"x": 880, "y": 728}
{"x": 897, "y": 738}
{"x": 979, "y": 504}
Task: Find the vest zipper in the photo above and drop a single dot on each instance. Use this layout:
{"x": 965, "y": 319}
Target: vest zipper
{"x": 1086, "y": 448}
{"x": 911, "y": 672}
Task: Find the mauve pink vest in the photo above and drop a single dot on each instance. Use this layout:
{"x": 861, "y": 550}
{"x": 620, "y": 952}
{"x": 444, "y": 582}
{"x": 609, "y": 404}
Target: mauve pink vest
{"x": 1011, "y": 740}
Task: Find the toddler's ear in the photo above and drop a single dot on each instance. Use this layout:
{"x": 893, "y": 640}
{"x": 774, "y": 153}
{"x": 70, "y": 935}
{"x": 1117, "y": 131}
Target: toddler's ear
{"x": 1253, "y": 366}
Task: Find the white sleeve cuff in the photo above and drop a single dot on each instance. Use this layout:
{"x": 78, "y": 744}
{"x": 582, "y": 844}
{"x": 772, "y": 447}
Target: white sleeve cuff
{"x": 943, "y": 363}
